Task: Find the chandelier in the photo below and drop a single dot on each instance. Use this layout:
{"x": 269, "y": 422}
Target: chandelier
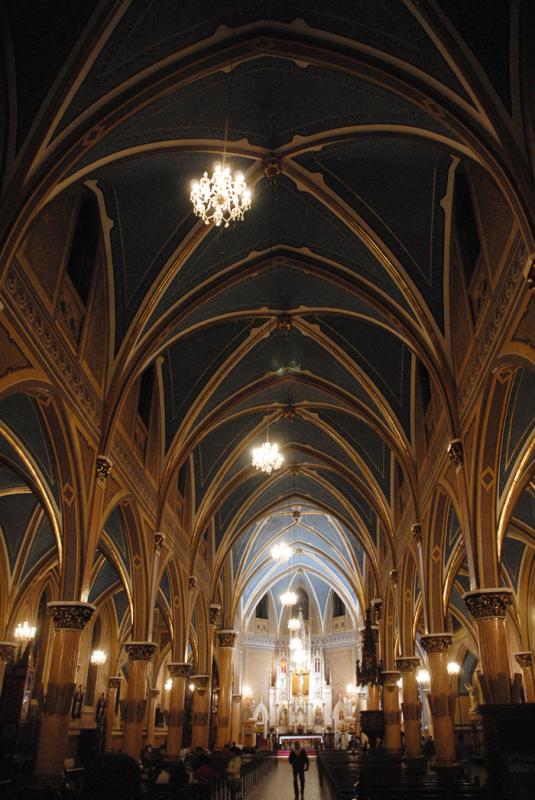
{"x": 295, "y": 644}
{"x": 267, "y": 457}
{"x": 221, "y": 198}
{"x": 98, "y": 657}
{"x": 281, "y": 552}
{"x": 24, "y": 632}
{"x": 293, "y": 624}
{"x": 289, "y": 598}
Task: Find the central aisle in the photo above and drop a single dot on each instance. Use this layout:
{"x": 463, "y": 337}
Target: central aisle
{"x": 279, "y": 784}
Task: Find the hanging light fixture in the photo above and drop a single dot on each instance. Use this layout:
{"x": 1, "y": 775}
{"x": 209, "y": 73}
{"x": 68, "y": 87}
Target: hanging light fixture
{"x": 221, "y": 198}
{"x": 293, "y": 624}
{"x": 267, "y": 457}
{"x": 281, "y": 552}
{"x": 295, "y": 644}
{"x": 24, "y": 632}
{"x": 289, "y": 598}
{"x": 98, "y": 657}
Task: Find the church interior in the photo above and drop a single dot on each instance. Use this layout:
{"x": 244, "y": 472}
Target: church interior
{"x": 303, "y": 229}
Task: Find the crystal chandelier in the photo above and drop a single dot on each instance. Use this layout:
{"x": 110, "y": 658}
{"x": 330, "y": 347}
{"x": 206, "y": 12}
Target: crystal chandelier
{"x": 289, "y": 598}
{"x": 293, "y": 624}
{"x": 267, "y": 457}
{"x": 221, "y": 198}
{"x": 98, "y": 657}
{"x": 295, "y": 644}
{"x": 24, "y": 632}
{"x": 281, "y": 552}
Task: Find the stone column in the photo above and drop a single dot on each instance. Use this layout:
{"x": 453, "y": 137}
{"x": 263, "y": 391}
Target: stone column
{"x": 488, "y": 608}
{"x": 69, "y": 620}
{"x": 373, "y": 697}
{"x": 200, "y": 717}
{"x": 7, "y": 654}
{"x": 179, "y": 672}
{"x": 226, "y": 641}
{"x": 151, "y": 721}
{"x": 139, "y": 656}
{"x": 525, "y": 661}
{"x": 391, "y": 711}
{"x": 235, "y": 720}
{"x": 441, "y": 700}
{"x": 114, "y": 684}
{"x": 411, "y": 706}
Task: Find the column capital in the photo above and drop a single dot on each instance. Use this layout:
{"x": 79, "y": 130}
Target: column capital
{"x": 7, "y": 651}
{"x": 436, "y": 642}
{"x": 103, "y": 467}
{"x": 483, "y": 603}
{"x": 455, "y": 452}
{"x": 159, "y": 541}
{"x": 180, "y": 669}
{"x": 416, "y": 533}
{"x": 140, "y": 651}
{"x": 153, "y": 693}
{"x": 114, "y": 682}
{"x": 214, "y": 610}
{"x": 390, "y": 677}
{"x": 201, "y": 683}
{"x": 408, "y": 663}
{"x": 524, "y": 659}
{"x": 236, "y": 698}
{"x": 70, "y": 614}
{"x": 226, "y": 638}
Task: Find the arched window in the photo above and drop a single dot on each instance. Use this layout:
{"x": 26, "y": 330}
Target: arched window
{"x": 83, "y": 254}
{"x": 262, "y": 608}
{"x": 339, "y": 608}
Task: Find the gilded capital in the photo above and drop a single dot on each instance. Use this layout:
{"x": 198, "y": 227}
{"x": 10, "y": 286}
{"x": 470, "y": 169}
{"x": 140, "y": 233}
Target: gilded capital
{"x": 140, "y": 651}
{"x": 524, "y": 660}
{"x": 179, "y": 669}
{"x": 201, "y": 683}
{"x": 7, "y": 651}
{"x": 154, "y": 693}
{"x": 416, "y": 533}
{"x": 227, "y": 638}
{"x": 394, "y": 576}
{"x": 436, "y": 642}
{"x": 214, "y": 610}
{"x": 408, "y": 663}
{"x": 377, "y": 609}
{"x": 192, "y": 583}
{"x": 390, "y": 677}
{"x": 103, "y": 467}
{"x": 484, "y": 603}
{"x": 70, "y": 615}
{"x": 236, "y": 698}
{"x": 159, "y": 541}
{"x": 114, "y": 682}
{"x": 455, "y": 452}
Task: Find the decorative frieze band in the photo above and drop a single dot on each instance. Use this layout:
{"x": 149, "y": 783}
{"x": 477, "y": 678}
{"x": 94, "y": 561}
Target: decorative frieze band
{"x": 524, "y": 660}
{"x": 7, "y": 651}
{"x": 140, "y": 651}
{"x": 436, "y": 642}
{"x": 485, "y": 603}
{"x": 408, "y": 663}
{"x": 179, "y": 669}
{"x": 227, "y": 638}
{"x": 70, "y": 615}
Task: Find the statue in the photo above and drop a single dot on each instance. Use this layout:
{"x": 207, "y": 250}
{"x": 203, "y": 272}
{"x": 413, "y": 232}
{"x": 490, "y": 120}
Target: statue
{"x": 474, "y": 701}
{"x": 77, "y": 702}
{"x": 283, "y": 717}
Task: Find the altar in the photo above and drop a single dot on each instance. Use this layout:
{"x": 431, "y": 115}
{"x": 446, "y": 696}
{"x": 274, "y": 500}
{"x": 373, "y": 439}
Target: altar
{"x": 308, "y": 741}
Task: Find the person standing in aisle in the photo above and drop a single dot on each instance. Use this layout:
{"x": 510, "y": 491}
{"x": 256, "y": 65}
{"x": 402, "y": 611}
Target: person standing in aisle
{"x": 299, "y": 761}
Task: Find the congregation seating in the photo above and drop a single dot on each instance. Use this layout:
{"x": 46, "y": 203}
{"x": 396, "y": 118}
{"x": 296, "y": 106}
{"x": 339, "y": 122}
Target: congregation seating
{"x": 380, "y": 776}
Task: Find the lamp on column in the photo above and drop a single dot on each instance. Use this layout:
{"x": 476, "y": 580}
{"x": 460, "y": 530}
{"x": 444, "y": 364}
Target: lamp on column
{"x": 454, "y": 669}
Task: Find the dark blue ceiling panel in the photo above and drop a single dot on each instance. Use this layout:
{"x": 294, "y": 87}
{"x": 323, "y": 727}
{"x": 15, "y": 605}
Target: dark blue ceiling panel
{"x": 374, "y": 451}
{"x": 512, "y": 555}
{"x": 165, "y": 588}
{"x": 115, "y": 529}
{"x": 284, "y": 100}
{"x": 231, "y": 506}
{"x": 383, "y": 357}
{"x": 185, "y": 374}
{"x": 354, "y": 498}
{"x": 44, "y": 542}
{"x": 519, "y": 422}
{"x": 396, "y": 184}
{"x": 21, "y": 413}
{"x": 453, "y": 532}
{"x": 16, "y": 511}
{"x": 525, "y": 508}
{"x": 152, "y": 31}
{"x": 120, "y": 601}
{"x": 280, "y": 215}
{"x": 106, "y": 577}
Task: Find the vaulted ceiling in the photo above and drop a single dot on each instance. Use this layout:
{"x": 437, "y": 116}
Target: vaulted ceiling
{"x": 368, "y": 109}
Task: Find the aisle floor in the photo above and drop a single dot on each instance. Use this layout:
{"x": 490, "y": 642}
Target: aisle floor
{"x": 279, "y": 784}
